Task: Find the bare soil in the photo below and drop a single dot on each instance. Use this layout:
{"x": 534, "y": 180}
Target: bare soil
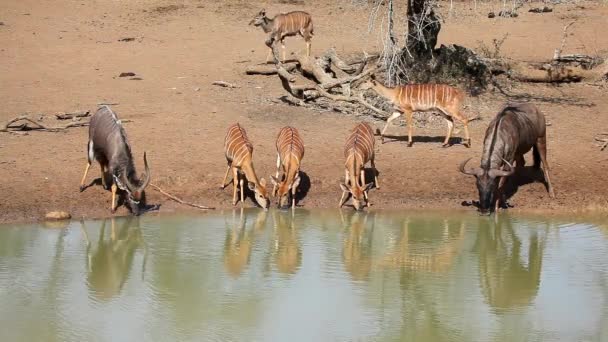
{"x": 66, "y": 55}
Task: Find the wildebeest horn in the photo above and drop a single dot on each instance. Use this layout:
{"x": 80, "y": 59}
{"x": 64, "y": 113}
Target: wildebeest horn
{"x": 502, "y": 173}
{"x": 471, "y": 172}
{"x": 145, "y": 177}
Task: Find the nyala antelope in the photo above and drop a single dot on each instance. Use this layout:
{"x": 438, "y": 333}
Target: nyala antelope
{"x": 239, "y": 154}
{"x": 359, "y": 149}
{"x": 108, "y": 145}
{"x": 290, "y": 151}
{"x": 284, "y": 25}
{"x": 411, "y": 98}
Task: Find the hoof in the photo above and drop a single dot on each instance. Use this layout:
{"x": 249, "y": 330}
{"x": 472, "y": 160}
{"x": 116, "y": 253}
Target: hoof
{"x": 445, "y": 145}
{"x": 113, "y": 211}
{"x": 410, "y": 144}
{"x": 82, "y": 187}
{"x": 467, "y": 143}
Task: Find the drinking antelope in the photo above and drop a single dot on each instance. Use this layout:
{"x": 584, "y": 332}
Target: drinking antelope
{"x": 411, "y": 98}
{"x": 290, "y": 151}
{"x": 284, "y": 25}
{"x": 108, "y": 145}
{"x": 359, "y": 149}
{"x": 239, "y": 154}
{"x": 517, "y": 128}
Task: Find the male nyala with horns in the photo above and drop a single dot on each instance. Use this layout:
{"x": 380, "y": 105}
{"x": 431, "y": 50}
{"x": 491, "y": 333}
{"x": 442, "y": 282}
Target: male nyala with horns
{"x": 108, "y": 145}
{"x": 517, "y": 128}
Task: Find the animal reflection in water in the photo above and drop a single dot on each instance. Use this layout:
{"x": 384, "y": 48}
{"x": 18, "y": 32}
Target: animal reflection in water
{"x": 285, "y": 250}
{"x": 239, "y": 241}
{"x": 507, "y": 280}
{"x": 109, "y": 262}
{"x": 414, "y": 252}
{"x": 357, "y": 245}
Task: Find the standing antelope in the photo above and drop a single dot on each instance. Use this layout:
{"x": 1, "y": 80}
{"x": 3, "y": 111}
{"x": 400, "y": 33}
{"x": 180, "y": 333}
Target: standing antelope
{"x": 285, "y": 25}
{"x": 239, "y": 154}
{"x": 359, "y": 149}
{"x": 290, "y": 151}
{"x": 108, "y": 145}
{"x": 411, "y": 98}
{"x": 518, "y": 128}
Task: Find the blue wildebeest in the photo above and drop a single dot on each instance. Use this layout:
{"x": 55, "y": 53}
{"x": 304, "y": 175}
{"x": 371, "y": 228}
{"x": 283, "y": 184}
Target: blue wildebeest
{"x": 108, "y": 145}
{"x": 516, "y": 129}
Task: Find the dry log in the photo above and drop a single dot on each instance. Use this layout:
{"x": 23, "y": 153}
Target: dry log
{"x": 70, "y": 116}
{"x": 179, "y": 200}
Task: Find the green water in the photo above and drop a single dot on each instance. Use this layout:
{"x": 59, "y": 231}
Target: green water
{"x": 313, "y": 276}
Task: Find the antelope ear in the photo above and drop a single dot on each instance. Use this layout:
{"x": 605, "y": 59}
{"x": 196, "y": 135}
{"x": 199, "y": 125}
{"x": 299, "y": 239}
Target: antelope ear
{"x": 251, "y": 186}
{"x": 368, "y": 186}
{"x": 344, "y": 187}
{"x": 263, "y": 11}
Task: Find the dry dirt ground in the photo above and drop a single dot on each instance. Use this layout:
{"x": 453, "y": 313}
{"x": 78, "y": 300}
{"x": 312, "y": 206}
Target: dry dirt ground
{"x": 65, "y": 55}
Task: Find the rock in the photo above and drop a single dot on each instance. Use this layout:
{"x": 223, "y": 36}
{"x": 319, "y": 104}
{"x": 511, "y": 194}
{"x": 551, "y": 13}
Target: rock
{"x": 126, "y": 74}
{"x": 58, "y": 215}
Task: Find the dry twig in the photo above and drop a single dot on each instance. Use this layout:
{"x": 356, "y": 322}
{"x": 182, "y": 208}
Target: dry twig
{"x": 178, "y": 200}
{"x": 224, "y": 84}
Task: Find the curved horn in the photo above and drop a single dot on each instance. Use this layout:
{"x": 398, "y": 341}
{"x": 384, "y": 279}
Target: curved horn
{"x": 145, "y": 177}
{"x": 503, "y": 173}
{"x": 471, "y": 172}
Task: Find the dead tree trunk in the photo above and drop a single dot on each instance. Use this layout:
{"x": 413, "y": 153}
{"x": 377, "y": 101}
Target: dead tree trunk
{"x": 423, "y": 28}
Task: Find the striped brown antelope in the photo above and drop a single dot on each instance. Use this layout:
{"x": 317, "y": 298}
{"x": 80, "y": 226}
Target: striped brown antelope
{"x": 284, "y": 25}
{"x": 359, "y": 149}
{"x": 290, "y": 151}
{"x": 239, "y": 154}
{"x": 411, "y": 98}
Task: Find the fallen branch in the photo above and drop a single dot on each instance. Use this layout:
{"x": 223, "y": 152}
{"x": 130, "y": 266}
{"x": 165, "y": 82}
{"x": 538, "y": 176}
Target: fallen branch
{"x": 9, "y": 127}
{"x": 70, "y": 116}
{"x": 268, "y": 69}
{"x": 178, "y": 200}
{"x": 224, "y": 84}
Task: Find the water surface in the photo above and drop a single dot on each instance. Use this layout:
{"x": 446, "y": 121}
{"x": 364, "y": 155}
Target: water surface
{"x": 250, "y": 275}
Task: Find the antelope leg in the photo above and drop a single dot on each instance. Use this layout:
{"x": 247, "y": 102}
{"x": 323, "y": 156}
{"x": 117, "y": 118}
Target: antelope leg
{"x": 283, "y": 49}
{"x": 274, "y": 187}
{"x": 410, "y": 127}
{"x": 241, "y": 182}
{"x": 375, "y": 173}
{"x": 388, "y": 122}
{"x": 450, "y": 123}
{"x": 103, "y": 176}
{"x": 225, "y": 177}
{"x": 86, "y": 170}
{"x": 235, "y": 177}
{"x": 113, "y": 209}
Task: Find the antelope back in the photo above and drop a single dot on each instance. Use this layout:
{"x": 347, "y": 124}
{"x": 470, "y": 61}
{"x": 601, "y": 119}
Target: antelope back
{"x": 237, "y": 147}
{"x": 290, "y": 146}
{"x": 292, "y": 22}
{"x": 429, "y": 96}
{"x": 360, "y": 144}
{"x": 109, "y": 137}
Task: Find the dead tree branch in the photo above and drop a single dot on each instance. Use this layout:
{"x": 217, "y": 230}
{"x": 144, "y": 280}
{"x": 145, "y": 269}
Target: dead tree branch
{"x": 71, "y": 116}
{"x": 30, "y": 124}
{"x": 224, "y": 84}
{"x": 178, "y": 200}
